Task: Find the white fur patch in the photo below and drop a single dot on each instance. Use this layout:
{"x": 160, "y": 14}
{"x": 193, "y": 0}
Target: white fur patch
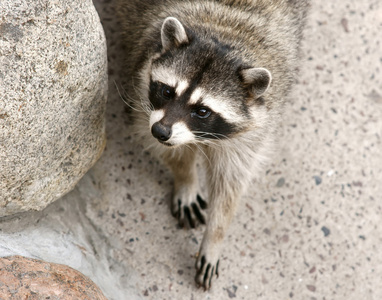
{"x": 156, "y": 116}
{"x": 221, "y": 106}
{"x": 165, "y": 75}
{"x": 180, "y": 134}
{"x": 195, "y": 96}
{"x": 181, "y": 87}
{"x": 168, "y": 77}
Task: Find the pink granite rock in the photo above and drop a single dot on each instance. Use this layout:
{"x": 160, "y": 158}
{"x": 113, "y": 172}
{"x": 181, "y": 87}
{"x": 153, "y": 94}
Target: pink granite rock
{"x": 26, "y": 278}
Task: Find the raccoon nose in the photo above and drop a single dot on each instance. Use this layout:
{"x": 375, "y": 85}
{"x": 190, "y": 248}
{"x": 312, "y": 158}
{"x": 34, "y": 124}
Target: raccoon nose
{"x": 161, "y": 132}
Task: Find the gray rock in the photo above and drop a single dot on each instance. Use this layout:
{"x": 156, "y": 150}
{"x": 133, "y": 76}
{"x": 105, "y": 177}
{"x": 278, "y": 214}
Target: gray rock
{"x": 53, "y": 86}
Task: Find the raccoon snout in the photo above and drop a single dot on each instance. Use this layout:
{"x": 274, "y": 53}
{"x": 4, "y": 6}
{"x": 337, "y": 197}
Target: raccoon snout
{"x": 161, "y": 132}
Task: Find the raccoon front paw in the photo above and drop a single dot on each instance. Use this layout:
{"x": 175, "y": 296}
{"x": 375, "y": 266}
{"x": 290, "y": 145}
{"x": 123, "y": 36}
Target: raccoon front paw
{"x": 205, "y": 271}
{"x": 190, "y": 211}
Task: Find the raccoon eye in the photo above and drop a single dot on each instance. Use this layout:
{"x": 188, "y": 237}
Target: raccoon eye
{"x": 167, "y": 92}
{"x": 202, "y": 113}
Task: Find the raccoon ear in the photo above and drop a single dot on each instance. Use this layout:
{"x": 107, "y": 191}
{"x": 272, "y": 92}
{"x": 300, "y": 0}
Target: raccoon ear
{"x": 257, "y": 79}
{"x": 173, "y": 34}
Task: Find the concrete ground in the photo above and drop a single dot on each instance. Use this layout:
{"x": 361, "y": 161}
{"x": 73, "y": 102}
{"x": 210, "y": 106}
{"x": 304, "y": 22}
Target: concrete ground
{"x": 310, "y": 227}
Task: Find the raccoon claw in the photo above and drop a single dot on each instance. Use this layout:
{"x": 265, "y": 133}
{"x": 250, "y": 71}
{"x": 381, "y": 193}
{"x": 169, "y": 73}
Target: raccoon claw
{"x": 202, "y": 203}
{"x": 205, "y": 271}
{"x": 190, "y": 212}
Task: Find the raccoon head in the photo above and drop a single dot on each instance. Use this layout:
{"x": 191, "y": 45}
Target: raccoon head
{"x": 199, "y": 88}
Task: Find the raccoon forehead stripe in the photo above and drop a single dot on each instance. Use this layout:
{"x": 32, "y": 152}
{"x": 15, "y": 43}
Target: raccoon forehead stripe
{"x": 181, "y": 86}
{"x": 222, "y": 107}
{"x": 165, "y": 75}
{"x": 196, "y": 95}
{"x": 168, "y": 77}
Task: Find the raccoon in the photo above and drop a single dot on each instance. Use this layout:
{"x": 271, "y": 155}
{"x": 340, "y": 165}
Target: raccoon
{"x": 210, "y": 78}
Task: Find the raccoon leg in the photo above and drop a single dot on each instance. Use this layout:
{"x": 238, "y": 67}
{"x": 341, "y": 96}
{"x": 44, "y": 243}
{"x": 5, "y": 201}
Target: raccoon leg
{"x": 224, "y": 196}
{"x": 187, "y": 205}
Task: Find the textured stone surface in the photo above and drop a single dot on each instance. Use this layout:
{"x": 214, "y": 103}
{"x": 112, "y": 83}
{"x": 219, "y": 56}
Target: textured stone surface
{"x": 53, "y": 84}
{"x": 26, "y": 278}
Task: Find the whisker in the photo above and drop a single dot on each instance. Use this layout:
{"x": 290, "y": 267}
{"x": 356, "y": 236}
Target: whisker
{"x": 145, "y": 104}
{"x": 123, "y": 98}
{"x": 218, "y": 136}
{"x": 202, "y": 151}
{"x": 189, "y": 147}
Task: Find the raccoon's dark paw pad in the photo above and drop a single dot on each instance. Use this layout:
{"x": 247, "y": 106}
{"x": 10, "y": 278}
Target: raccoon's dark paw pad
{"x": 190, "y": 213}
{"x": 205, "y": 271}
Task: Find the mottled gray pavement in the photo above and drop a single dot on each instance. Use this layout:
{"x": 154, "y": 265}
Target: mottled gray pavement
{"x": 309, "y": 228}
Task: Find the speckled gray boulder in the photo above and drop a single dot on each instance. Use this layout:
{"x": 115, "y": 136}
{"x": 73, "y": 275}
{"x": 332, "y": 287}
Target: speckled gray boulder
{"x": 53, "y": 86}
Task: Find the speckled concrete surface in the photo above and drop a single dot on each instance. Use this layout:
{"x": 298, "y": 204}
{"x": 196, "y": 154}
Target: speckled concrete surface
{"x": 310, "y": 227}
